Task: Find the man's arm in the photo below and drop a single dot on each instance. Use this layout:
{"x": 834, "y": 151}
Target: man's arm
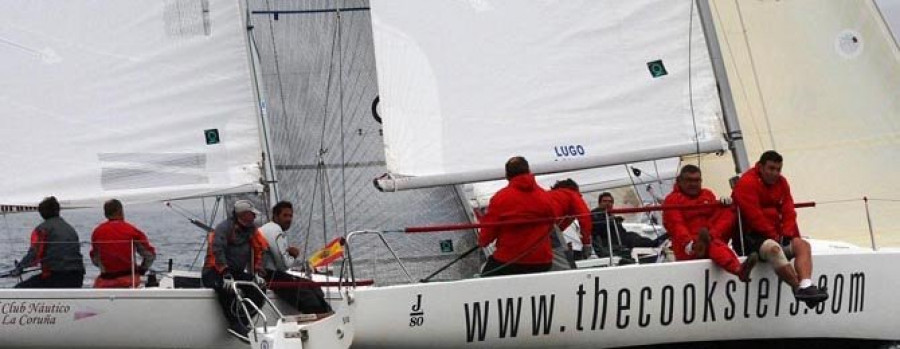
{"x": 584, "y": 220}
{"x": 746, "y": 196}
{"x": 218, "y": 245}
{"x": 36, "y": 251}
{"x": 495, "y": 209}
{"x": 144, "y": 249}
{"x": 788, "y": 214}
{"x": 259, "y": 245}
{"x": 95, "y": 256}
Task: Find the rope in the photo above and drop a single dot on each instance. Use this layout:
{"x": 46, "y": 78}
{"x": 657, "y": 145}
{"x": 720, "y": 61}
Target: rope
{"x": 762, "y": 100}
{"x": 341, "y": 105}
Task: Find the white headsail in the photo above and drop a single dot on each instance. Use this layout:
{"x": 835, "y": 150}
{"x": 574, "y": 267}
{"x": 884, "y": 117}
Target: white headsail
{"x": 146, "y": 100}
{"x": 570, "y": 85}
{"x": 821, "y": 85}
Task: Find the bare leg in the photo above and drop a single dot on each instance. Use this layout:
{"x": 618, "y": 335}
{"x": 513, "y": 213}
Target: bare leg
{"x": 788, "y": 274}
{"x": 773, "y": 253}
{"x": 802, "y": 258}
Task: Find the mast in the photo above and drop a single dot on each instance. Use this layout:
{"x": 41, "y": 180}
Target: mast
{"x": 733, "y": 129}
{"x": 269, "y": 176}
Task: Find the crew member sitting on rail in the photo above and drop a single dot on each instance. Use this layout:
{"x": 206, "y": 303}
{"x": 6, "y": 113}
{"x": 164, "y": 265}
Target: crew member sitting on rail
{"x": 235, "y": 253}
{"x": 703, "y": 232}
{"x": 764, "y": 199}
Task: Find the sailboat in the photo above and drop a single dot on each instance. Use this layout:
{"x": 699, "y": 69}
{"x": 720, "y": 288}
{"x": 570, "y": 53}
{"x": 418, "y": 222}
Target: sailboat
{"x": 142, "y": 101}
{"x": 464, "y": 85}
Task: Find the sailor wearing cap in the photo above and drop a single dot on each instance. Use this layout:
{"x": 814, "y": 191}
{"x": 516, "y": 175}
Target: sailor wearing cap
{"x": 235, "y": 253}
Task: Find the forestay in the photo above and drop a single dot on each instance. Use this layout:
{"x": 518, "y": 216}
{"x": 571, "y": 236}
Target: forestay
{"x": 146, "y": 100}
{"x": 570, "y": 85}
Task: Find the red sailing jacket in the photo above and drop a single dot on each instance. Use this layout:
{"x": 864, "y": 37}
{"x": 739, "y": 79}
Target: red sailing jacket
{"x": 766, "y": 209}
{"x": 568, "y": 202}
{"x": 683, "y": 225}
{"x": 521, "y": 200}
{"x": 113, "y": 245}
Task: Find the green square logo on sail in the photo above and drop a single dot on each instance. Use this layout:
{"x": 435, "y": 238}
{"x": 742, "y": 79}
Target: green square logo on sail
{"x": 657, "y": 68}
{"x": 212, "y": 136}
{"x": 446, "y": 246}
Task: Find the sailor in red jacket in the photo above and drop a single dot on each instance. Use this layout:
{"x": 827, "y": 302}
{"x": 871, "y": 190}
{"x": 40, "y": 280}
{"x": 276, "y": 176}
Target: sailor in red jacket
{"x": 569, "y": 206}
{"x": 113, "y": 246}
{"x": 702, "y": 232}
{"x": 770, "y": 224}
{"x": 522, "y": 247}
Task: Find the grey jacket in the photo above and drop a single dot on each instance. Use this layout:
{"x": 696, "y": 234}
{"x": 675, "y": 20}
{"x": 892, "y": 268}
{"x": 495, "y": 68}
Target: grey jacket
{"x": 232, "y": 246}
{"x": 55, "y": 246}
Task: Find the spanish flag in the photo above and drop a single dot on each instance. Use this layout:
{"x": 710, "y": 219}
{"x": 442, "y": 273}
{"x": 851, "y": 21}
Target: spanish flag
{"x": 327, "y": 254}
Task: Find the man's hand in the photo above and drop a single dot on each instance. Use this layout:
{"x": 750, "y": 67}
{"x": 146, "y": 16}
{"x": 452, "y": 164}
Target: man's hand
{"x": 293, "y": 251}
{"x": 725, "y": 200}
{"x": 16, "y": 272}
{"x": 701, "y": 243}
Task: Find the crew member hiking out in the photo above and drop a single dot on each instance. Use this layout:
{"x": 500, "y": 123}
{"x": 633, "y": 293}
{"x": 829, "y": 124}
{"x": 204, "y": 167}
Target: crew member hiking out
{"x": 523, "y": 245}
{"x": 770, "y": 224}
{"x": 704, "y": 232}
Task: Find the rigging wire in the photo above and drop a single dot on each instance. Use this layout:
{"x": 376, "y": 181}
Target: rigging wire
{"x": 284, "y": 109}
{"x": 321, "y": 169}
{"x": 762, "y": 100}
{"x": 739, "y": 76}
{"x": 341, "y": 113}
{"x": 312, "y": 207}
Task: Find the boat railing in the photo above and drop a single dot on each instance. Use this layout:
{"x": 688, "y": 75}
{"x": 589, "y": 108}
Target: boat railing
{"x": 354, "y": 234}
{"x": 612, "y": 228}
{"x": 245, "y": 302}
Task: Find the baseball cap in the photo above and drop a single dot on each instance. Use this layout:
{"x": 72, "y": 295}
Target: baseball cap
{"x": 242, "y": 206}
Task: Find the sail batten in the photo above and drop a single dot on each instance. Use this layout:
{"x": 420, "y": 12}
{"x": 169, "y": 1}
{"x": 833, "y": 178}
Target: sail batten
{"x": 466, "y": 85}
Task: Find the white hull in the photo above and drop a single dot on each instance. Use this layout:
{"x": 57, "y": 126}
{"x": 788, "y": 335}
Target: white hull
{"x": 113, "y": 318}
{"x": 633, "y": 305}
{"x": 148, "y": 318}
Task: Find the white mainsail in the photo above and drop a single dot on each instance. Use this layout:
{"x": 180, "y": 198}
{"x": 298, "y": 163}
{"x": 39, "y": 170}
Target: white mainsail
{"x": 820, "y": 84}
{"x": 138, "y": 100}
{"x": 578, "y": 101}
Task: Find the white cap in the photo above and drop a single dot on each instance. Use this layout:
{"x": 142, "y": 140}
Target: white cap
{"x": 242, "y": 206}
